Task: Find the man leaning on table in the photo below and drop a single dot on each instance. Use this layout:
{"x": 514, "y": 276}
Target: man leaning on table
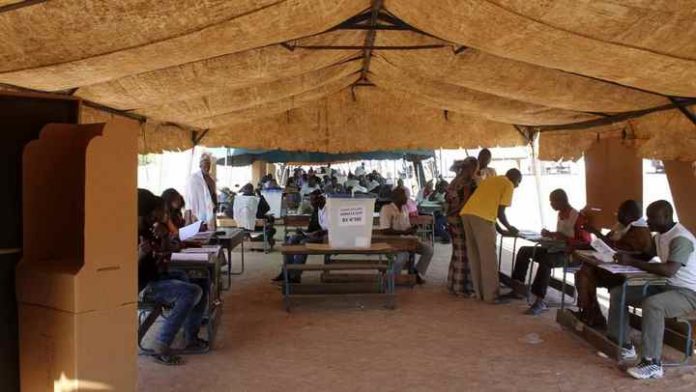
{"x": 674, "y": 245}
{"x": 479, "y": 216}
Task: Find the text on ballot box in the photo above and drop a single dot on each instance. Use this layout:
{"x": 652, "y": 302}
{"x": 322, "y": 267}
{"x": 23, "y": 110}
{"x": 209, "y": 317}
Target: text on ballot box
{"x": 350, "y": 221}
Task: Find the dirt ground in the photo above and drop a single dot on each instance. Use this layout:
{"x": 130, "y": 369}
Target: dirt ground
{"x": 431, "y": 342}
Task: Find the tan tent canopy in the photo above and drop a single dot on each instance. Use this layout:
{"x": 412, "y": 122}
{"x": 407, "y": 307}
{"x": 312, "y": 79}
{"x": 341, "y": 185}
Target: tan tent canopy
{"x": 357, "y": 75}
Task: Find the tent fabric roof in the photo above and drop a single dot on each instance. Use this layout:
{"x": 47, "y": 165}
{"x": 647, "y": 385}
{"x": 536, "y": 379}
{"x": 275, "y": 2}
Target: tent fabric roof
{"x": 296, "y": 74}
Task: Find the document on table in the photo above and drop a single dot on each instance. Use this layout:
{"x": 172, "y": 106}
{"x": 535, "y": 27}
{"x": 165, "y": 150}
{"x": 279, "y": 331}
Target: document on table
{"x": 621, "y": 269}
{"x": 190, "y": 256}
{"x": 203, "y": 249}
{"x": 189, "y": 231}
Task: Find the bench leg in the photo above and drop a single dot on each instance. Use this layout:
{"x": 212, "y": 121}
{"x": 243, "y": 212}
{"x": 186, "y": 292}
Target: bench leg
{"x": 145, "y": 325}
{"x": 688, "y": 346}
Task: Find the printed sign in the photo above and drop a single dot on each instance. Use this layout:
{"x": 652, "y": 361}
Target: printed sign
{"x": 351, "y": 216}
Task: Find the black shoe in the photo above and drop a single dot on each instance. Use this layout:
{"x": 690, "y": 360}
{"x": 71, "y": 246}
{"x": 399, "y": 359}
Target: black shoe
{"x": 197, "y": 344}
{"x": 511, "y": 295}
{"x": 419, "y": 280}
{"x": 278, "y": 278}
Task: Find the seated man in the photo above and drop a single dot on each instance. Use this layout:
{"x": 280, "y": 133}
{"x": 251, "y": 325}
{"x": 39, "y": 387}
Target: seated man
{"x": 632, "y": 235}
{"x": 248, "y": 207}
{"x": 316, "y": 230}
{"x": 675, "y": 246}
{"x": 570, "y": 230}
{"x": 162, "y": 286}
{"x": 394, "y": 220}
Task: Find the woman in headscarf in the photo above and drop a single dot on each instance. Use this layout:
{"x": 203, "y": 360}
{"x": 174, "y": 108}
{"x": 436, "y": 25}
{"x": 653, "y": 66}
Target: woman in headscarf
{"x": 458, "y": 192}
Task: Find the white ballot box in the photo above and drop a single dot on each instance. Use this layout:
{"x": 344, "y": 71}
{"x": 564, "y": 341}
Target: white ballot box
{"x": 350, "y": 221}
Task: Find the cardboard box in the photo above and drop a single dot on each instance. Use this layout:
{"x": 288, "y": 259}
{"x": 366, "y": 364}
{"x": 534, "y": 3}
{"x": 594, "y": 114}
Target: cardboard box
{"x": 84, "y": 351}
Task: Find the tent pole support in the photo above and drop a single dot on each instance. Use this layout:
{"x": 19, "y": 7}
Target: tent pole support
{"x": 684, "y": 109}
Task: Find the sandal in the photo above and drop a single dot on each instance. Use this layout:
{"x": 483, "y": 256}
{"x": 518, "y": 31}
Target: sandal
{"x": 168, "y": 359}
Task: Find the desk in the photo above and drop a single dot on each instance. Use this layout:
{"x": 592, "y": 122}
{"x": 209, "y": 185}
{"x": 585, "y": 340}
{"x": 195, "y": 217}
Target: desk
{"x": 538, "y": 241}
{"x": 638, "y": 279}
{"x": 386, "y": 276}
{"x": 230, "y": 240}
{"x": 203, "y": 264}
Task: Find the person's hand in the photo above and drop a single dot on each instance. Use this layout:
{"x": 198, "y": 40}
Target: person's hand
{"x": 144, "y": 247}
{"x": 623, "y": 259}
{"x": 545, "y": 233}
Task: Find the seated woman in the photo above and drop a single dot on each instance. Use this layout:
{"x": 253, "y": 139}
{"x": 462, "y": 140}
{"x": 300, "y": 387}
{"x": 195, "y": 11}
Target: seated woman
{"x": 630, "y": 234}
{"x": 162, "y": 286}
{"x": 173, "y": 207}
{"x": 570, "y": 230}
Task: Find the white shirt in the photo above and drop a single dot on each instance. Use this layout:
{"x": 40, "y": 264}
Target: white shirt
{"x": 485, "y": 173}
{"x": 686, "y": 274}
{"x": 244, "y": 211}
{"x": 306, "y": 189}
{"x": 390, "y": 217}
{"x": 567, "y": 226}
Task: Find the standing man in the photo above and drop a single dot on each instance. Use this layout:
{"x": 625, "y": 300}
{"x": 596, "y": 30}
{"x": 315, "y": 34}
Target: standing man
{"x": 484, "y": 159}
{"x": 676, "y": 248}
{"x": 479, "y": 216}
{"x": 201, "y": 194}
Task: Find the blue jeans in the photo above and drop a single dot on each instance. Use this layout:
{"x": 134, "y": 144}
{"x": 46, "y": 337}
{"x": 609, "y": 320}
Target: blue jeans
{"x": 295, "y": 259}
{"x": 441, "y": 227}
{"x": 189, "y": 304}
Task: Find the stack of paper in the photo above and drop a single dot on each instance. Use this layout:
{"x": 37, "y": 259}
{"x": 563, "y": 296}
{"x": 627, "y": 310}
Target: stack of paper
{"x": 190, "y": 256}
{"x": 204, "y": 249}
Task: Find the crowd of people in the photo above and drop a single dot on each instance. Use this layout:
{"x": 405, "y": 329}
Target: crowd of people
{"x": 472, "y": 210}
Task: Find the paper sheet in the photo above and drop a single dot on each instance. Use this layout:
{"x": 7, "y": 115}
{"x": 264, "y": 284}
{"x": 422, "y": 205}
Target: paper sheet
{"x": 603, "y": 251}
{"x": 189, "y": 231}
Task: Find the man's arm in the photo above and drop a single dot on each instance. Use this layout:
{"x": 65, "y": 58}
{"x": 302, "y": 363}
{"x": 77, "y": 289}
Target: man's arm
{"x": 667, "y": 269}
{"x": 503, "y": 219}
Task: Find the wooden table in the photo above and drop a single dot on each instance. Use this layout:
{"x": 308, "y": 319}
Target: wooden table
{"x": 295, "y": 221}
{"x": 386, "y": 275}
{"x": 599, "y": 340}
{"x": 231, "y": 238}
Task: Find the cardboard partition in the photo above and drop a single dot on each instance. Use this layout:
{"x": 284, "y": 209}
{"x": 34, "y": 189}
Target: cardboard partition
{"x": 80, "y": 218}
{"x": 682, "y": 183}
{"x": 66, "y": 351}
{"x": 614, "y": 173}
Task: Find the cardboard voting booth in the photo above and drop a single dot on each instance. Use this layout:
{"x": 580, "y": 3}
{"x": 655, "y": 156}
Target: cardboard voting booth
{"x": 274, "y": 198}
{"x": 77, "y": 282}
{"x": 350, "y": 221}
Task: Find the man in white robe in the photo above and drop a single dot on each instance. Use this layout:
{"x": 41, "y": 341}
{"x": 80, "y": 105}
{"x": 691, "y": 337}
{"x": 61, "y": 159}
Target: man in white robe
{"x": 201, "y": 193}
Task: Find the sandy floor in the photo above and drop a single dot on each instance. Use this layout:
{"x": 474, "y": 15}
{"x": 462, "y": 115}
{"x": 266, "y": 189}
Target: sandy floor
{"x": 431, "y": 342}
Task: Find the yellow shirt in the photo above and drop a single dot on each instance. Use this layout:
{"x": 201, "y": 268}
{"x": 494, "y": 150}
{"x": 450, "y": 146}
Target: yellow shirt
{"x": 491, "y": 193}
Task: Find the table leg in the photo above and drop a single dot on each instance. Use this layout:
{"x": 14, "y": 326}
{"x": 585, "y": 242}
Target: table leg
{"x": 286, "y": 285}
